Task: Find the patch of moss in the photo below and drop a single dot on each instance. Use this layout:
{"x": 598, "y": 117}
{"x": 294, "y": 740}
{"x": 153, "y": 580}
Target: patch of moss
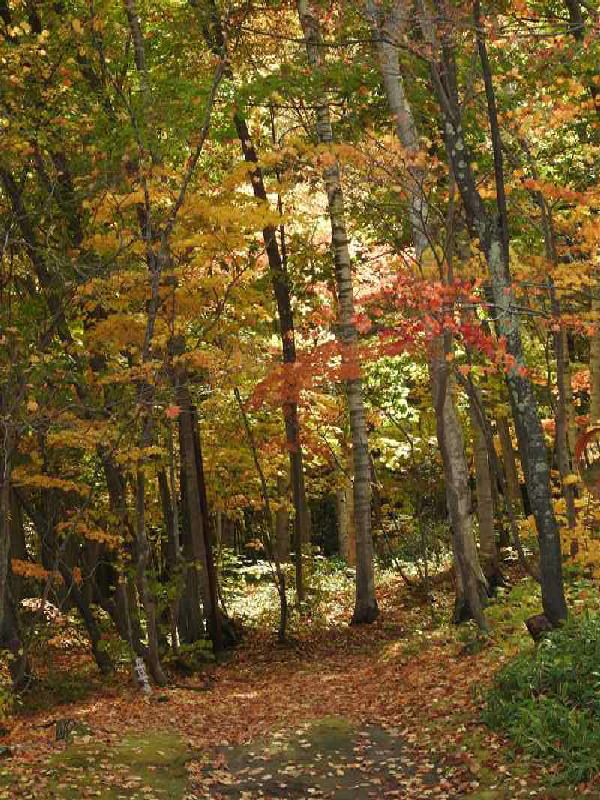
{"x": 146, "y": 766}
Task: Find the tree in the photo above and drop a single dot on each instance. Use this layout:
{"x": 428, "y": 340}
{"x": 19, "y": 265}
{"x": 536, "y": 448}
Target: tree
{"x": 366, "y": 604}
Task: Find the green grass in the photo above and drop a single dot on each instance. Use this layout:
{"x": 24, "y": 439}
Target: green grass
{"x": 548, "y": 700}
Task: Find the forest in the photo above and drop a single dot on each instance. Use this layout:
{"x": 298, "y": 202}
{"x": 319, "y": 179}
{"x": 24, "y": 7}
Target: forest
{"x": 299, "y": 399}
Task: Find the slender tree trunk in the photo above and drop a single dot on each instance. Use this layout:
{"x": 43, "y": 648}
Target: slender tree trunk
{"x": 472, "y": 586}
{"x": 10, "y": 631}
{"x": 365, "y": 609}
{"x": 488, "y": 551}
{"x": 282, "y": 525}
{"x": 569, "y": 405}
{"x": 213, "y": 614}
{"x": 5, "y": 515}
{"x": 124, "y": 609}
{"x": 561, "y": 417}
{"x": 142, "y": 567}
{"x": 341, "y": 508}
{"x": 197, "y": 595}
{"x": 171, "y": 547}
{"x": 281, "y": 290}
{"x": 12, "y": 638}
{"x": 509, "y": 461}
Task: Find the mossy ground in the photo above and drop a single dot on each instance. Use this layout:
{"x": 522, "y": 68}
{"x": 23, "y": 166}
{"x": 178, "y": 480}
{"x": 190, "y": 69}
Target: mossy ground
{"x": 144, "y": 766}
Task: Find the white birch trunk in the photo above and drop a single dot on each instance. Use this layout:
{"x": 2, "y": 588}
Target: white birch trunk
{"x": 365, "y": 609}
{"x": 450, "y": 437}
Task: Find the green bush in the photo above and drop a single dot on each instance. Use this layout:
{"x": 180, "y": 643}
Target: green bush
{"x": 548, "y": 702}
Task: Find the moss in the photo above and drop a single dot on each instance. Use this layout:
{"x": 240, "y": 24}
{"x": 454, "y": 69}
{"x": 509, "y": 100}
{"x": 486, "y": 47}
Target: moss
{"x": 141, "y": 766}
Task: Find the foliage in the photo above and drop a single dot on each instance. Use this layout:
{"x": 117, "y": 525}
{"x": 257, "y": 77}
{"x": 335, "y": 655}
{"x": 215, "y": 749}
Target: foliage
{"x": 549, "y": 701}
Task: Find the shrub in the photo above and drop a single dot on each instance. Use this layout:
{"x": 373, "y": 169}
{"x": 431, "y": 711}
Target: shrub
{"x": 548, "y": 702}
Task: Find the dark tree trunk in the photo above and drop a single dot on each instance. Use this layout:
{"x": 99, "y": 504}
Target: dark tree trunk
{"x": 281, "y": 290}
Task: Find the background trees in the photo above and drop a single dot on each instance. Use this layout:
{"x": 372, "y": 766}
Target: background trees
{"x": 375, "y": 224}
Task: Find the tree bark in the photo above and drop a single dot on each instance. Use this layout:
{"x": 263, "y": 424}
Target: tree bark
{"x": 5, "y": 515}
{"x": 509, "y": 461}
{"x": 342, "y": 523}
{"x": 365, "y": 609}
{"x": 282, "y": 525}
{"x": 472, "y": 587}
{"x": 488, "y": 551}
{"x": 213, "y": 615}
{"x": 196, "y": 597}
{"x": 142, "y": 567}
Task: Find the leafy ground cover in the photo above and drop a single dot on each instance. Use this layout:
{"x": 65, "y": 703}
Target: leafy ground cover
{"x": 388, "y": 710}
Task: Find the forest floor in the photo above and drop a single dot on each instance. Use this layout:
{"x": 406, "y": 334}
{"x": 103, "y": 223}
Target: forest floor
{"x": 387, "y": 710}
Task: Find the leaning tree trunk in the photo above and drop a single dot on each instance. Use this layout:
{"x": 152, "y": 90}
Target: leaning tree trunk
{"x": 492, "y": 235}
{"x": 472, "y": 586}
{"x": 365, "y": 609}
{"x": 448, "y": 423}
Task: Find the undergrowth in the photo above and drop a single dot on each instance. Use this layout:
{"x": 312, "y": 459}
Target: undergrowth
{"x": 548, "y": 701}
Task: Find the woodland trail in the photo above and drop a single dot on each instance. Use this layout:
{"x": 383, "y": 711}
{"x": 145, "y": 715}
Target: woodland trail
{"x": 388, "y": 710}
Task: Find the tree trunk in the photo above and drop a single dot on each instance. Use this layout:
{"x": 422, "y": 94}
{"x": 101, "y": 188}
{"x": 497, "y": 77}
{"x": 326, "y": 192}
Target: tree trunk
{"x": 281, "y": 290}
{"x": 213, "y": 615}
{"x": 5, "y": 515}
{"x": 351, "y": 525}
{"x": 171, "y": 545}
{"x": 492, "y": 235}
{"x": 563, "y": 453}
{"x": 448, "y": 424}
{"x": 472, "y": 586}
{"x": 365, "y": 609}
{"x": 142, "y": 567}
{"x": 196, "y": 597}
{"x": 10, "y": 632}
{"x": 509, "y": 461}
{"x": 488, "y": 551}
{"x": 282, "y": 525}
{"x": 342, "y": 523}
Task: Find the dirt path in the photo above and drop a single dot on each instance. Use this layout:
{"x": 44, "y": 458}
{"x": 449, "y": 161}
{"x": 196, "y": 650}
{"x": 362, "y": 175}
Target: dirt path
{"x": 388, "y": 710}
